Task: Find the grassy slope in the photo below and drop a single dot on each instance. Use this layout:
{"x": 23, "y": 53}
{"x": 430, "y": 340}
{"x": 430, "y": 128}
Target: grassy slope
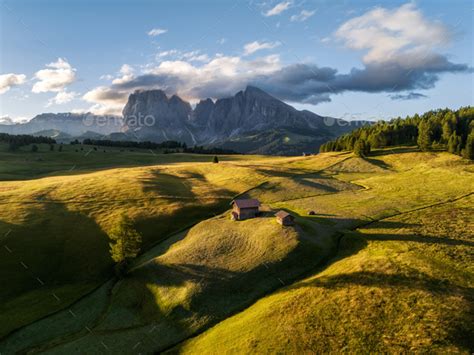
{"x": 178, "y": 294}
{"x": 24, "y": 164}
{"x": 401, "y": 284}
{"x": 162, "y": 199}
{"x": 221, "y": 267}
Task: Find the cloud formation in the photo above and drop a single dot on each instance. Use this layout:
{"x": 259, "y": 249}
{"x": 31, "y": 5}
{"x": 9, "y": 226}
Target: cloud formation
{"x": 55, "y": 78}
{"x": 400, "y": 56}
{"x": 278, "y": 9}
{"x": 409, "y": 96}
{"x": 62, "y": 97}
{"x": 302, "y": 16}
{"x": 156, "y": 32}
{"x": 393, "y": 35}
{"x": 255, "y": 46}
{"x": 7, "y": 81}
{"x": 106, "y": 101}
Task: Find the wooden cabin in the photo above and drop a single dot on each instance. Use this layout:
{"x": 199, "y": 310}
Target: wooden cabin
{"x": 245, "y": 209}
{"x": 284, "y": 218}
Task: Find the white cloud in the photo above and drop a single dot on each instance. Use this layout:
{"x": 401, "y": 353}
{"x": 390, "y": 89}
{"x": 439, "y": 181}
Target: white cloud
{"x": 221, "y": 76}
{"x": 126, "y": 69}
{"x": 5, "y": 120}
{"x": 106, "y": 101}
{"x": 126, "y": 72}
{"x": 222, "y": 40}
{"x": 7, "y": 81}
{"x": 199, "y": 58}
{"x": 167, "y": 53}
{"x": 278, "y": 9}
{"x": 106, "y": 77}
{"x": 302, "y": 16}
{"x": 402, "y": 35}
{"x": 62, "y": 97}
{"x": 54, "y": 79}
{"x": 156, "y": 32}
{"x": 255, "y": 46}
{"x": 189, "y": 56}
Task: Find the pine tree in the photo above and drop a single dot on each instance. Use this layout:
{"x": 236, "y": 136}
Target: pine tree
{"x": 367, "y": 147}
{"x": 468, "y": 152}
{"x": 13, "y": 146}
{"x": 447, "y": 131}
{"x": 425, "y": 135}
{"x": 34, "y": 148}
{"x": 126, "y": 242}
{"x": 453, "y": 143}
{"x": 361, "y": 148}
{"x": 215, "y": 160}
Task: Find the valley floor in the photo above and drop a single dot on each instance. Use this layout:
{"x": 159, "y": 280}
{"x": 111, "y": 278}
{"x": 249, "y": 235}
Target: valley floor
{"x": 385, "y": 265}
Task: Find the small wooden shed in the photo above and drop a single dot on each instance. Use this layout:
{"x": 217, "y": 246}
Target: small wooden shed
{"x": 245, "y": 209}
{"x": 284, "y": 218}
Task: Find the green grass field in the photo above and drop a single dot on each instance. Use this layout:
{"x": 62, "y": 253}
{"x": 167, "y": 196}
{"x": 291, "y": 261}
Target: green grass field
{"x": 385, "y": 265}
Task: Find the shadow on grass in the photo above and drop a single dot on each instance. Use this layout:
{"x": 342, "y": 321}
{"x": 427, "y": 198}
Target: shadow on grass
{"x": 379, "y": 163}
{"x": 52, "y": 250}
{"x": 397, "y": 150}
{"x": 167, "y": 185}
{"x": 222, "y": 293}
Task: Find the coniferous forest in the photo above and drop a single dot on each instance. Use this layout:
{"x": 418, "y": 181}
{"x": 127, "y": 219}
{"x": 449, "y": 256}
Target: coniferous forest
{"x": 442, "y": 129}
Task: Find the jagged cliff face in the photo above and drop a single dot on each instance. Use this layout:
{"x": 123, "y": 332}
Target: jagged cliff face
{"x": 251, "y": 121}
{"x": 248, "y": 111}
{"x": 152, "y": 115}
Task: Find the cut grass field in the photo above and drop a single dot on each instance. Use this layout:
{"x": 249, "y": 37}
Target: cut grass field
{"x": 397, "y": 228}
{"x": 402, "y": 284}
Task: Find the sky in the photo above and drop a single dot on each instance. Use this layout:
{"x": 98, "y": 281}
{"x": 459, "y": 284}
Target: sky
{"x": 346, "y": 59}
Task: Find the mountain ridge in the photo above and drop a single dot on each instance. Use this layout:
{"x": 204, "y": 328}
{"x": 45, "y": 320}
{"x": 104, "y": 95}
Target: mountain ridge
{"x": 248, "y": 122}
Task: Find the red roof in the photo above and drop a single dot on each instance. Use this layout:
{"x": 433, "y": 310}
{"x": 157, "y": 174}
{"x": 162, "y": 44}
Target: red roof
{"x": 248, "y": 203}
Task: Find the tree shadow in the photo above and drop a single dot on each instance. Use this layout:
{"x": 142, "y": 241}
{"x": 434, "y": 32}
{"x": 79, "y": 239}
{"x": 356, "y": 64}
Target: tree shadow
{"x": 397, "y": 150}
{"x": 379, "y": 163}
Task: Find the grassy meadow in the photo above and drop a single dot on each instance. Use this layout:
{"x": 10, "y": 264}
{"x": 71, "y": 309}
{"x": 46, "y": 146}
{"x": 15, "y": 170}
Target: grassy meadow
{"x": 385, "y": 265}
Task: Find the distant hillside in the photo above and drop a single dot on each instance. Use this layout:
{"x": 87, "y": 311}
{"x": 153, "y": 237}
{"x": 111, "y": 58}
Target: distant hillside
{"x": 62, "y": 124}
{"x": 440, "y": 129}
{"x": 251, "y": 121}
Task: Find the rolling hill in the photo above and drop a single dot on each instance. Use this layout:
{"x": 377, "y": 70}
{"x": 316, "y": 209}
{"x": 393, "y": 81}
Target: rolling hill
{"x": 383, "y": 266}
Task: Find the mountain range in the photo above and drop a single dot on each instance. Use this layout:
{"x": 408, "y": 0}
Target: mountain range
{"x": 251, "y": 121}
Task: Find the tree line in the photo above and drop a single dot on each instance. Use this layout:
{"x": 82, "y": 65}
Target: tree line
{"x": 18, "y": 140}
{"x": 132, "y": 144}
{"x": 442, "y": 129}
{"x": 210, "y": 150}
{"x": 168, "y": 146}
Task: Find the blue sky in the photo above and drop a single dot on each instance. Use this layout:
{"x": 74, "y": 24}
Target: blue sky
{"x": 350, "y": 59}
